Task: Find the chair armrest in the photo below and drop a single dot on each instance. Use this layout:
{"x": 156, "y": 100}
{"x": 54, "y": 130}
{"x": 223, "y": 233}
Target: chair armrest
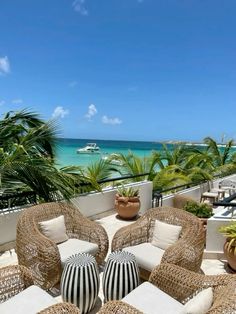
{"x": 181, "y": 283}
{"x": 133, "y": 234}
{"x": 13, "y": 279}
{"x": 185, "y": 254}
{"x": 224, "y": 301}
{"x": 91, "y": 231}
{"x": 41, "y": 255}
{"x": 61, "y": 308}
{"x": 118, "y": 307}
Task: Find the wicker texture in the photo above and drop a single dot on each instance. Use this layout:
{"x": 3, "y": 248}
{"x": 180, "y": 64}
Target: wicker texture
{"x": 61, "y": 308}
{"x": 186, "y": 252}
{"x": 118, "y": 307}
{"x": 179, "y": 200}
{"x": 182, "y": 285}
{"x": 40, "y": 254}
{"x": 13, "y": 279}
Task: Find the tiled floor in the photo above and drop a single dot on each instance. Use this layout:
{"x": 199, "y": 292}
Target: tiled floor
{"x": 112, "y": 224}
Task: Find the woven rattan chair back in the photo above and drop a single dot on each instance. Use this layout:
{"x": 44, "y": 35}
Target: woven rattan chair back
{"x": 186, "y": 252}
{"x": 39, "y": 253}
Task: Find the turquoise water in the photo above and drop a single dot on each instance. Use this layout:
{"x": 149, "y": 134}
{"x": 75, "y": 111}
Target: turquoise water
{"x": 66, "y": 150}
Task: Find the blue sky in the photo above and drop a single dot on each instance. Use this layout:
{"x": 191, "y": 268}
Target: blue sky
{"x": 122, "y": 69}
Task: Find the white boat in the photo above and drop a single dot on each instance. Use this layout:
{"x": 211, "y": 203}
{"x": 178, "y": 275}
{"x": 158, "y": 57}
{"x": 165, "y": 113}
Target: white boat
{"x": 90, "y": 148}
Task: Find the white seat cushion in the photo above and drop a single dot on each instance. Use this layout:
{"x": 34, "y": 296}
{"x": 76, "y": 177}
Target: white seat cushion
{"x": 73, "y": 246}
{"x": 147, "y": 255}
{"x": 150, "y": 300}
{"x": 29, "y": 301}
{"x": 199, "y": 304}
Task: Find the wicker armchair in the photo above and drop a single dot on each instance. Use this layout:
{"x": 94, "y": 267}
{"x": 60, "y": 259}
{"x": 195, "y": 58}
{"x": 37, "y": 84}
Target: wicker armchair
{"x": 181, "y": 285}
{"x": 186, "y": 252}
{"x": 40, "y": 254}
{"x": 15, "y": 279}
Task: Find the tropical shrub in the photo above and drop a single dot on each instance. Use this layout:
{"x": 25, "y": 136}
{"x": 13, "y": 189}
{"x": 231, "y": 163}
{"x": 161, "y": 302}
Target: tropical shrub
{"x": 201, "y": 210}
{"x": 127, "y": 191}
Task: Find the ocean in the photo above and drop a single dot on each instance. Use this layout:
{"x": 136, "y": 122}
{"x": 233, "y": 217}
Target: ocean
{"x": 66, "y": 154}
{"x": 66, "y": 150}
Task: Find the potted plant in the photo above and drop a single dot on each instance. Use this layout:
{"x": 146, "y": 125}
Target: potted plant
{"x": 127, "y": 202}
{"x": 229, "y": 232}
{"x": 201, "y": 210}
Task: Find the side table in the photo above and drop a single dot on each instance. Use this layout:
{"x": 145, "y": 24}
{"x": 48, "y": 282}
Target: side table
{"x": 121, "y": 275}
{"x": 80, "y": 281}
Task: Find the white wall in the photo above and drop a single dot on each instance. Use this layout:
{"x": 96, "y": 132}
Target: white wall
{"x": 8, "y": 222}
{"x": 214, "y": 239}
{"x": 194, "y": 193}
{"x": 95, "y": 203}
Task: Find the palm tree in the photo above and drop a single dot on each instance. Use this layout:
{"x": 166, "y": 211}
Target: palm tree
{"x": 133, "y": 165}
{"x": 180, "y": 165}
{"x": 27, "y": 129}
{"x": 27, "y": 157}
{"x": 96, "y": 172}
{"x": 222, "y": 157}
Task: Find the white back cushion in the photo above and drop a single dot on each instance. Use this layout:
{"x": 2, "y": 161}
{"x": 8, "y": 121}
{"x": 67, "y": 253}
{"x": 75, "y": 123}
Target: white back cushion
{"x": 54, "y": 229}
{"x": 165, "y": 234}
{"x": 199, "y": 304}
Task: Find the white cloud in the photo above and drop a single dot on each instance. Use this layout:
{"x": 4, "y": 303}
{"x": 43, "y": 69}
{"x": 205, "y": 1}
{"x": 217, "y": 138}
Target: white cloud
{"x": 4, "y": 65}
{"x": 60, "y": 112}
{"x": 2, "y": 102}
{"x": 113, "y": 121}
{"x": 17, "y": 101}
{"x": 73, "y": 83}
{"x": 78, "y": 6}
{"x": 92, "y": 110}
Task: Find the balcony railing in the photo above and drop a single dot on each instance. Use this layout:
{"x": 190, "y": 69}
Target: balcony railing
{"x": 10, "y": 200}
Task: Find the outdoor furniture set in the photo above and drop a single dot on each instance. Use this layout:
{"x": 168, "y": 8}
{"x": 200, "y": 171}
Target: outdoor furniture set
{"x": 58, "y": 244}
{"x": 213, "y": 194}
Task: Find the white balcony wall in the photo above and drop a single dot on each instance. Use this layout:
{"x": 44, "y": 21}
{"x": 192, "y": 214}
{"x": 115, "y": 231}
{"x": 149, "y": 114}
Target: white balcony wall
{"x": 214, "y": 239}
{"x": 8, "y": 222}
{"x": 96, "y": 203}
{"x": 193, "y": 193}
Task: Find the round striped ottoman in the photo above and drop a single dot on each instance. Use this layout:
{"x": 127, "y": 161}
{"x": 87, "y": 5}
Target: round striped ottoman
{"x": 121, "y": 275}
{"x": 80, "y": 281}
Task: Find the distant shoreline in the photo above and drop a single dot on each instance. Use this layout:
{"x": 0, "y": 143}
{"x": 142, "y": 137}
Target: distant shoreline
{"x": 169, "y": 142}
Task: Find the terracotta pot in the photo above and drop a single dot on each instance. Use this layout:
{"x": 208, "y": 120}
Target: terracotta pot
{"x": 229, "y": 254}
{"x": 127, "y": 207}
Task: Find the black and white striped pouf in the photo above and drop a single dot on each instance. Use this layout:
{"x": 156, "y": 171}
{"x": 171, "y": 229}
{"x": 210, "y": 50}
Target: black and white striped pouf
{"x": 121, "y": 275}
{"x": 80, "y": 281}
